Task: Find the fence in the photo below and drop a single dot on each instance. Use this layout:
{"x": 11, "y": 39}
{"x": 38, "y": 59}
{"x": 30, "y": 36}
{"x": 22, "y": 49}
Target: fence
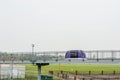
{"x": 90, "y": 76}
{"x": 11, "y": 71}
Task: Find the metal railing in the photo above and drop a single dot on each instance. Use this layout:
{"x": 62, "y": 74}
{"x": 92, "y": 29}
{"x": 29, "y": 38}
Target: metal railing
{"x": 59, "y": 56}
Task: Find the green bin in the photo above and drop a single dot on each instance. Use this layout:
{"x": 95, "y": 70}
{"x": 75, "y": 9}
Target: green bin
{"x": 45, "y": 77}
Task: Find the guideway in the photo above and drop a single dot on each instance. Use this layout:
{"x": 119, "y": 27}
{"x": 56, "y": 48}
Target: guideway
{"x": 39, "y": 69}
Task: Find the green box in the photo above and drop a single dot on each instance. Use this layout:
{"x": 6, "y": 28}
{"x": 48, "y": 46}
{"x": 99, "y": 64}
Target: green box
{"x": 45, "y": 77}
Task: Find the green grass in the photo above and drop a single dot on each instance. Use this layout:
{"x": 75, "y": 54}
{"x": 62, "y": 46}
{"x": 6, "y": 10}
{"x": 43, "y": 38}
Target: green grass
{"x": 83, "y": 68}
{"x": 31, "y": 70}
{"x": 71, "y": 68}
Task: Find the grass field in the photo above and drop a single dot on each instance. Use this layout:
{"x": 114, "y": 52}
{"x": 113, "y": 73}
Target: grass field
{"x": 31, "y": 70}
{"x": 81, "y": 68}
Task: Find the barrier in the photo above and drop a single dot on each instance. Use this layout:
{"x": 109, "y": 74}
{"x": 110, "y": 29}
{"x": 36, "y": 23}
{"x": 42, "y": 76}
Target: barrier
{"x": 88, "y": 76}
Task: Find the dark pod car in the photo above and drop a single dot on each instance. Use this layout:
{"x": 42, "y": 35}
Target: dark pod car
{"x": 75, "y": 54}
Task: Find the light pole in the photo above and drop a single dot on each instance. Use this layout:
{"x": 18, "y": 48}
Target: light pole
{"x": 33, "y": 49}
{"x": 33, "y": 53}
{"x": 11, "y": 73}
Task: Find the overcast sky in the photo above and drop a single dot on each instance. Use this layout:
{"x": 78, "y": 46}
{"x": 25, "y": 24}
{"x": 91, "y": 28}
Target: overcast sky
{"x": 55, "y": 25}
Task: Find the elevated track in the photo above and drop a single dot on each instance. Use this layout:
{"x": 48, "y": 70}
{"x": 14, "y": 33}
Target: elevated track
{"x": 92, "y": 56}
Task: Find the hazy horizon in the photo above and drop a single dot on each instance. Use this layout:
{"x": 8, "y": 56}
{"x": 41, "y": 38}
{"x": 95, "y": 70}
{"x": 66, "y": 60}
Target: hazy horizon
{"x": 59, "y": 25}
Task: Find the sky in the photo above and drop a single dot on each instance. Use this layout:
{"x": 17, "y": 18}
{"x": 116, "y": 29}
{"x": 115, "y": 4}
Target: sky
{"x": 59, "y": 25}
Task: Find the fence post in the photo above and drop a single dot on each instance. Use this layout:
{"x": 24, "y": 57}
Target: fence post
{"x": 57, "y": 74}
{"x": 102, "y": 72}
{"x": 114, "y": 72}
{"x": 50, "y": 72}
{"x": 67, "y": 76}
{"x": 76, "y": 72}
{"x": 91, "y": 79}
{"x": 75, "y": 77}
{"x": 61, "y": 72}
{"x": 89, "y": 72}
{"x": 63, "y": 76}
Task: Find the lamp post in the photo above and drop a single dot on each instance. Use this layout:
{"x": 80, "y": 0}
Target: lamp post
{"x": 11, "y": 73}
{"x": 33, "y": 53}
{"x": 33, "y": 49}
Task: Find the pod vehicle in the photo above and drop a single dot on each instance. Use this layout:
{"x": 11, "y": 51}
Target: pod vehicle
{"x": 75, "y": 54}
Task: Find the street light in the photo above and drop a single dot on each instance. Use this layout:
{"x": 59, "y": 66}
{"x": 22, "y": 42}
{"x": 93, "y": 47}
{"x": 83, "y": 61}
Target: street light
{"x": 33, "y": 48}
{"x": 33, "y": 60}
{"x": 11, "y": 73}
